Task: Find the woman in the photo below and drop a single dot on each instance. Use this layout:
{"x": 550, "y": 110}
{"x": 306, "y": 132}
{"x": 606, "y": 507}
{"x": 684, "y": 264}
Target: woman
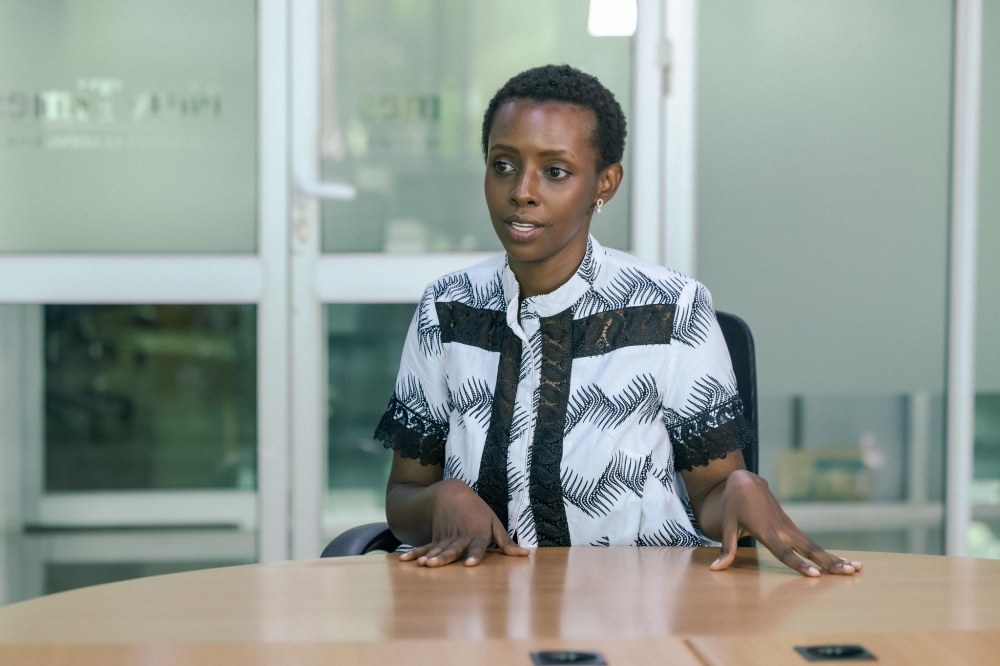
{"x": 547, "y": 396}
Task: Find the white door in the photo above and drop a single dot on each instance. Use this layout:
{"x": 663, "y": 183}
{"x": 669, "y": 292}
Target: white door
{"x": 388, "y": 100}
{"x": 143, "y": 264}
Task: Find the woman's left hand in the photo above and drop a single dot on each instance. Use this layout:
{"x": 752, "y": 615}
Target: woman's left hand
{"x": 731, "y": 502}
{"x": 749, "y": 509}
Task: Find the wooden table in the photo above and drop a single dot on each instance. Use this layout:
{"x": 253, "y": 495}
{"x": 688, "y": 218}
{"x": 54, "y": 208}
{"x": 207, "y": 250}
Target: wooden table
{"x": 636, "y": 605}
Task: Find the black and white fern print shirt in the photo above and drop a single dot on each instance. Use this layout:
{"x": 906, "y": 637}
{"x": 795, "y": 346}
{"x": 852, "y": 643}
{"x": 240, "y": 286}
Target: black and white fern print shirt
{"x": 571, "y": 417}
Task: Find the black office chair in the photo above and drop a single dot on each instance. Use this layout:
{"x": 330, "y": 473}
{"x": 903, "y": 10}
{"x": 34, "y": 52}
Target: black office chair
{"x": 377, "y": 536}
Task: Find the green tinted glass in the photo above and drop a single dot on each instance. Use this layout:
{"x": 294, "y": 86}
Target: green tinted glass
{"x": 150, "y": 396}
{"x": 365, "y": 342}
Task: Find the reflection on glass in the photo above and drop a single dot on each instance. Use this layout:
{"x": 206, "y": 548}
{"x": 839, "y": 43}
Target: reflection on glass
{"x": 128, "y": 126}
{"x": 405, "y": 86}
{"x": 42, "y": 562}
{"x": 984, "y": 541}
{"x": 984, "y": 535}
{"x": 823, "y": 195}
{"x": 840, "y": 449}
{"x": 150, "y": 396}
{"x": 64, "y": 577}
{"x": 365, "y": 342}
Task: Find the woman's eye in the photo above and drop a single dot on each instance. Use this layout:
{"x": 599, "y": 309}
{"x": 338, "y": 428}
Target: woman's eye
{"x": 503, "y": 167}
{"x": 557, "y": 173}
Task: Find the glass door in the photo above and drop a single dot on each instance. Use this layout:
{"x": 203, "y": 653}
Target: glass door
{"x": 984, "y": 537}
{"x": 142, "y": 259}
{"x": 389, "y": 99}
{"x": 824, "y": 160}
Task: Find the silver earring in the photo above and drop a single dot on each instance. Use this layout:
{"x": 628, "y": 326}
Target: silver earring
{"x": 600, "y": 202}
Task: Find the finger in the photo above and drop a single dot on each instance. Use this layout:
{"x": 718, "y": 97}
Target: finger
{"x": 858, "y": 566}
{"x": 451, "y": 553}
{"x": 434, "y": 549}
{"x": 810, "y": 549}
{"x": 505, "y": 543}
{"x": 414, "y": 553}
{"x": 476, "y": 551}
{"x": 827, "y": 561}
{"x": 784, "y": 553}
{"x": 730, "y": 536}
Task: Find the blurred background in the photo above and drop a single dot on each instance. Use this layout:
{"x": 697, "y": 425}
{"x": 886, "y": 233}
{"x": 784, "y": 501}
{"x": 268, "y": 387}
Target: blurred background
{"x": 216, "y": 220}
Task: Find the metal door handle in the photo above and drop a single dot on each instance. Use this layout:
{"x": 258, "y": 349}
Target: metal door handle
{"x": 331, "y": 191}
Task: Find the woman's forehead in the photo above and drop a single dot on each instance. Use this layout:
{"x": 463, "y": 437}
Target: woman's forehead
{"x": 552, "y": 124}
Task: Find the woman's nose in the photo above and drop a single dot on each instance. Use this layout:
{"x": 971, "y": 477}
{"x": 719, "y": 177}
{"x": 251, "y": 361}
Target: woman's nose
{"x": 526, "y": 190}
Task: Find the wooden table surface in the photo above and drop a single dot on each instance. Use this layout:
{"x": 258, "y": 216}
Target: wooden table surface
{"x": 634, "y": 604}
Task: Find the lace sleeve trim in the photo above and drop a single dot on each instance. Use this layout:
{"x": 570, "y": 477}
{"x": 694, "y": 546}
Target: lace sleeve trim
{"x": 711, "y": 434}
{"x": 413, "y": 435}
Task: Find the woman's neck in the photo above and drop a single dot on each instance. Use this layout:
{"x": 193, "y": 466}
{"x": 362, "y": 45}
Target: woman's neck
{"x": 546, "y": 275}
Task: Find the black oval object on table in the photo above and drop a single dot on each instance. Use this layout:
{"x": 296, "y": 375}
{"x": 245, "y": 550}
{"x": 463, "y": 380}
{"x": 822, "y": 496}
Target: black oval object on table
{"x": 835, "y": 653}
{"x": 567, "y": 657}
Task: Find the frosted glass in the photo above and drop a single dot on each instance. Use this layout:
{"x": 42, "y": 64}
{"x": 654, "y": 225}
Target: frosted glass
{"x": 128, "y": 126}
{"x": 987, "y": 452}
{"x": 823, "y": 171}
{"x": 988, "y": 309}
{"x": 405, "y": 86}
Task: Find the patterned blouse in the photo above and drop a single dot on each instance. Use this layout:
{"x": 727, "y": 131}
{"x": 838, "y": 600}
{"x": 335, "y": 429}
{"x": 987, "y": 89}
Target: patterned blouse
{"x": 572, "y": 416}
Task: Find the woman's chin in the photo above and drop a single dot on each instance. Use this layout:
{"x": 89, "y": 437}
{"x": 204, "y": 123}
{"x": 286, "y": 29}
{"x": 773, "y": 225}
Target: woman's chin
{"x": 525, "y": 252}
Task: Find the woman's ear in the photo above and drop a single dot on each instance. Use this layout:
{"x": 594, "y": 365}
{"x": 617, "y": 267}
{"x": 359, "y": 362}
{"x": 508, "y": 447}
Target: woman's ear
{"x": 608, "y": 181}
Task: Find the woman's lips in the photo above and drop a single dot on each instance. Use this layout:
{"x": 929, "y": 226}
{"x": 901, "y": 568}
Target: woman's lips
{"x": 521, "y": 228}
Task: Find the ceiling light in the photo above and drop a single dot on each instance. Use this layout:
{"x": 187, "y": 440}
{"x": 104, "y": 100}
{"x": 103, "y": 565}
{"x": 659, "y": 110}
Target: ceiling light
{"x": 612, "y": 18}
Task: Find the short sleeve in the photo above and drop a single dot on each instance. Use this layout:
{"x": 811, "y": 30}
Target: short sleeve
{"x": 702, "y": 410}
{"x": 416, "y": 421}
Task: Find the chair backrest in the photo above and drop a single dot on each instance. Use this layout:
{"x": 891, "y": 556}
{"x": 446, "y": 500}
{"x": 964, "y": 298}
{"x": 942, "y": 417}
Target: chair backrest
{"x": 361, "y": 540}
{"x": 739, "y": 339}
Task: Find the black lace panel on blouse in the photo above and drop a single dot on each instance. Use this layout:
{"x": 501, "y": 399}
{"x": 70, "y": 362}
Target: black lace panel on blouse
{"x": 604, "y": 332}
{"x": 710, "y": 434}
{"x": 476, "y": 327}
{"x": 413, "y": 435}
{"x": 545, "y": 486}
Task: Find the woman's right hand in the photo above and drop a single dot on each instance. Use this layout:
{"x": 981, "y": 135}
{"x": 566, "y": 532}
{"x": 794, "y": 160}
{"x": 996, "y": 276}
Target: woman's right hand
{"x": 462, "y": 524}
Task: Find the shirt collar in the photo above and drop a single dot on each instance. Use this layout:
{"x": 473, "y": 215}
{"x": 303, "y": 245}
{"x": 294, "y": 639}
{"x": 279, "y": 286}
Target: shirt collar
{"x": 554, "y": 302}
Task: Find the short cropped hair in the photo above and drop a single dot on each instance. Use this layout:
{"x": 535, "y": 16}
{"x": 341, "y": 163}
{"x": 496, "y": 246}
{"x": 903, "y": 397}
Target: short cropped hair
{"x": 562, "y": 83}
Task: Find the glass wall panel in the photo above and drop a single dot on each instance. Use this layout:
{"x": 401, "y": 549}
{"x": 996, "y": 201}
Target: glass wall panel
{"x": 128, "y": 438}
{"x": 150, "y": 396}
{"x": 365, "y": 342}
{"x": 404, "y": 88}
{"x": 823, "y": 157}
{"x": 63, "y": 577}
{"x": 128, "y": 126}
{"x": 985, "y": 537}
{"x": 51, "y": 561}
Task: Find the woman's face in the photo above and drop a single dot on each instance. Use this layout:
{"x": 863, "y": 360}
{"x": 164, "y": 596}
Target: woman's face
{"x": 542, "y": 180}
